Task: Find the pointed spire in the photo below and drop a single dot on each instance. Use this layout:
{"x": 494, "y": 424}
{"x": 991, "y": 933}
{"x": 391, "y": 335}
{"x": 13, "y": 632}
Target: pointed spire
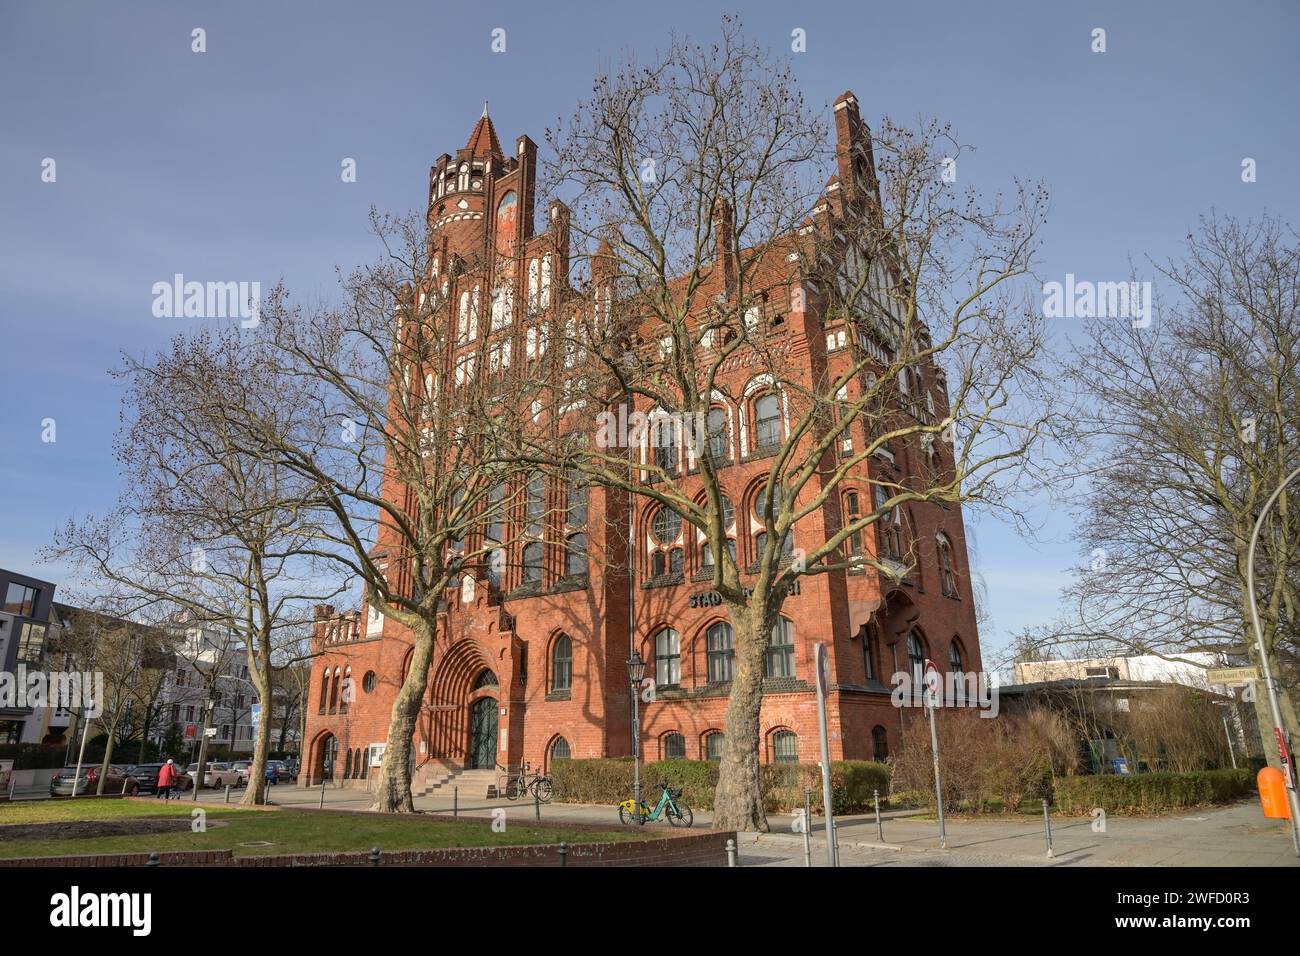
{"x": 483, "y": 140}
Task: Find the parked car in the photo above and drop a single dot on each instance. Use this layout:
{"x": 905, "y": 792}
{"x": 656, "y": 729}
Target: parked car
{"x": 119, "y": 781}
{"x": 146, "y": 775}
{"x": 216, "y": 775}
{"x": 243, "y": 767}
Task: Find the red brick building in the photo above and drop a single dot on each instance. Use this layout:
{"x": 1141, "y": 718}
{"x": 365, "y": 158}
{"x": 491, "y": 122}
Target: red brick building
{"x": 530, "y": 664}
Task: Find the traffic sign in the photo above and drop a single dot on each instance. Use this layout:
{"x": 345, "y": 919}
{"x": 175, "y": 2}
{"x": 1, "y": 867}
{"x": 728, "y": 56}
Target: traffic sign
{"x": 933, "y": 682}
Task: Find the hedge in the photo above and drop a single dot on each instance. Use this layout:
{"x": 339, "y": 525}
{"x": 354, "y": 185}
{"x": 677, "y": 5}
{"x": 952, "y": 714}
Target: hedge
{"x": 1150, "y": 792}
{"x": 610, "y": 781}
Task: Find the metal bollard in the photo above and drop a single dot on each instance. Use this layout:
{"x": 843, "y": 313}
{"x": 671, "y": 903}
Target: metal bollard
{"x": 154, "y": 859}
{"x": 835, "y": 835}
{"x": 455, "y": 802}
{"x": 731, "y": 853}
{"x": 880, "y": 830}
{"x": 374, "y": 856}
{"x": 322, "y": 793}
{"x": 564, "y": 854}
{"x": 537, "y": 805}
{"x": 807, "y": 827}
{"x": 1047, "y": 828}
{"x": 227, "y": 793}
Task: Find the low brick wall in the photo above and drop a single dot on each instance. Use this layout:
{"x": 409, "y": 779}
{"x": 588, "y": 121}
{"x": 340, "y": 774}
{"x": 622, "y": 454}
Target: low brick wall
{"x": 700, "y": 848}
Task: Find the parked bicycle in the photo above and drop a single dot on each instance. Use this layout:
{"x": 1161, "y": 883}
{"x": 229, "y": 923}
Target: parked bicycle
{"x": 540, "y": 785}
{"x": 670, "y": 805}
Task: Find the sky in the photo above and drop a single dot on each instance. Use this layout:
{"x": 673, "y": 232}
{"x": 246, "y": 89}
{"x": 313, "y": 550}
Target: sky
{"x": 225, "y": 165}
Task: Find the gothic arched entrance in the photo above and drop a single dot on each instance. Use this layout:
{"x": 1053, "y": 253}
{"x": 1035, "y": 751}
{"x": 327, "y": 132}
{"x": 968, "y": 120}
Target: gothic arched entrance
{"x": 482, "y": 734}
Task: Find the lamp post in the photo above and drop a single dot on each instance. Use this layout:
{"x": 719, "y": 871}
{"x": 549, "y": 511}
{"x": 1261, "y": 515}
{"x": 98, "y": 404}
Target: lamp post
{"x": 203, "y": 748}
{"x": 1288, "y": 759}
{"x": 635, "y": 672}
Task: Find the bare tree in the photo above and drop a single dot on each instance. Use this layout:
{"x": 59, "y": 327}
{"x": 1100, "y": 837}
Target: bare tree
{"x": 717, "y": 258}
{"x": 399, "y": 441}
{"x": 202, "y": 527}
{"x": 1195, "y": 420}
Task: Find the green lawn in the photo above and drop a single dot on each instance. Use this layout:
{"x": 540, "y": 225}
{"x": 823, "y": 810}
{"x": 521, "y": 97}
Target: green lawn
{"x": 290, "y": 831}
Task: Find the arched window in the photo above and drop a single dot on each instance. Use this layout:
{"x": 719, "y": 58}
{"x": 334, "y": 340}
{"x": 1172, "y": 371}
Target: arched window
{"x": 785, "y": 747}
{"x": 852, "y": 513}
{"x": 334, "y": 691}
{"x": 365, "y": 763}
{"x": 954, "y": 657}
{"x": 780, "y": 652}
{"x": 496, "y": 561}
{"x": 560, "y": 749}
{"x": 879, "y": 744}
{"x": 486, "y": 678}
{"x": 675, "y": 561}
{"x": 668, "y": 658}
{"x": 562, "y": 663}
{"x": 674, "y": 746}
{"x": 717, "y": 443}
{"x": 720, "y": 653}
{"x": 761, "y": 511}
{"x": 706, "y": 553}
{"x": 324, "y": 691}
{"x": 713, "y": 745}
{"x": 533, "y": 562}
{"x": 533, "y": 277}
{"x": 890, "y": 527}
{"x": 546, "y": 282}
{"x": 767, "y": 422}
{"x": 916, "y": 661}
{"x": 575, "y": 555}
{"x": 946, "y": 575}
{"x": 348, "y": 691}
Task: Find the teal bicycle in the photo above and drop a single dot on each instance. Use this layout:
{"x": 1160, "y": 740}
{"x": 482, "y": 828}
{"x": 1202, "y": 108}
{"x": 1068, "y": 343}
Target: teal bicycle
{"x": 670, "y": 805}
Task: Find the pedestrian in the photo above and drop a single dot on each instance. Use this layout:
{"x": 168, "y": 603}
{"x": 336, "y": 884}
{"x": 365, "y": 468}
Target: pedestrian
{"x": 166, "y": 779}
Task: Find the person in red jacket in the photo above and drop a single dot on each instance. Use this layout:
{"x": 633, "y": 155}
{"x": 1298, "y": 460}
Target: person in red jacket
{"x": 166, "y": 780}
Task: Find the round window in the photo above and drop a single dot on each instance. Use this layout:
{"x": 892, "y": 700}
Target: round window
{"x": 666, "y": 525}
{"x": 368, "y": 682}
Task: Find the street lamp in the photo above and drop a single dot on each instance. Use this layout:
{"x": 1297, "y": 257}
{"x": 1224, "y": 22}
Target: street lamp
{"x": 1278, "y": 728}
{"x": 635, "y": 672}
{"x": 203, "y": 748}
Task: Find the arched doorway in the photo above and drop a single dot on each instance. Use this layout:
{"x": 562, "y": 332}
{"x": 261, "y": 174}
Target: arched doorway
{"x": 325, "y": 758}
{"x": 483, "y": 734}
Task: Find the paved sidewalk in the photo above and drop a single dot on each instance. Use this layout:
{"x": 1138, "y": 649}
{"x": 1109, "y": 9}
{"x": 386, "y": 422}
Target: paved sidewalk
{"x": 1236, "y": 835}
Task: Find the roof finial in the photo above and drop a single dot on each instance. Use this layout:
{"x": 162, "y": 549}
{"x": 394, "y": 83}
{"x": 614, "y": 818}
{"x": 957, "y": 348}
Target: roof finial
{"x": 485, "y": 102}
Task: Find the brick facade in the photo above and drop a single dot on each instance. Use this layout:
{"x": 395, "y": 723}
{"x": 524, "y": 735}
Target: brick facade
{"x": 498, "y": 643}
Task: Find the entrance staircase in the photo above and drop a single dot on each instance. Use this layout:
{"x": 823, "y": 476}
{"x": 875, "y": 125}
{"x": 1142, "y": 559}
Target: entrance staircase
{"x": 441, "y": 780}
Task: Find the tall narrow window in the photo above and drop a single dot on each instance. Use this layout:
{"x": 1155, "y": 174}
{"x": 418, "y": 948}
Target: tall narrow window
{"x": 916, "y": 661}
{"x": 716, "y": 425}
{"x": 534, "y": 506}
{"x": 721, "y": 653}
{"x": 853, "y": 513}
{"x": 575, "y": 555}
{"x": 780, "y": 652}
{"x": 668, "y": 658}
{"x": 533, "y": 562}
{"x": 869, "y": 651}
{"x": 879, "y": 744}
{"x": 767, "y": 422}
{"x": 945, "y": 566}
{"x": 954, "y": 657}
{"x": 562, "y": 663}
{"x": 665, "y": 440}
{"x": 713, "y": 745}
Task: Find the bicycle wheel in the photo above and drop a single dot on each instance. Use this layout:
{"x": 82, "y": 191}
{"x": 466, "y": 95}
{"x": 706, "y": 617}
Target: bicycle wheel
{"x": 545, "y": 790}
{"x": 513, "y": 789}
{"x": 683, "y": 817}
{"x": 625, "y": 817}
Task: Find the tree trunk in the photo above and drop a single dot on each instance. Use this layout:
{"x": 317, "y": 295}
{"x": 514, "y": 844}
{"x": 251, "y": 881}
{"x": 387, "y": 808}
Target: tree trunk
{"x": 738, "y": 802}
{"x": 144, "y": 734}
{"x": 260, "y": 672}
{"x": 393, "y": 792}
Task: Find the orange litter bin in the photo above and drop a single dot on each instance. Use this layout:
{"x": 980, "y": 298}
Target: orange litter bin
{"x": 1272, "y": 794}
